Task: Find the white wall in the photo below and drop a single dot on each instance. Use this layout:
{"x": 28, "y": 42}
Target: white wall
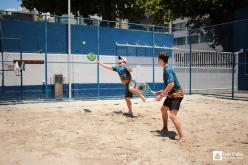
{"x": 83, "y": 71}
{"x": 86, "y": 72}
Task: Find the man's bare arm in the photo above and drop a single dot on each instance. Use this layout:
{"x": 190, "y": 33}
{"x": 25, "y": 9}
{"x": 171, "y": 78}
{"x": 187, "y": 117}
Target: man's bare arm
{"x": 130, "y": 69}
{"x": 168, "y": 88}
{"x": 105, "y": 65}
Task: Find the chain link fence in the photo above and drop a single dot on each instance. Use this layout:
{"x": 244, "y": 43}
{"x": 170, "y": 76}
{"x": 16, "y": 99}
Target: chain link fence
{"x": 207, "y": 60}
{"x": 218, "y": 60}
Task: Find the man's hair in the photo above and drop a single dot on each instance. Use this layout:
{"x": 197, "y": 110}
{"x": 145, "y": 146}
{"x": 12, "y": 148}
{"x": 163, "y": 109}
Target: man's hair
{"x": 124, "y": 61}
{"x": 122, "y": 58}
{"x": 163, "y": 56}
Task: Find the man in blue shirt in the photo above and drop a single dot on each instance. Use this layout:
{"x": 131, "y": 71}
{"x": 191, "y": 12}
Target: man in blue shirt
{"x": 126, "y": 79}
{"x": 175, "y": 94}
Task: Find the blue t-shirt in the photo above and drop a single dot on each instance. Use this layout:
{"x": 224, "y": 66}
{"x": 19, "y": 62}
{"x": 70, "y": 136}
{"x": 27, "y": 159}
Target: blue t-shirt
{"x": 170, "y": 76}
{"x": 122, "y": 71}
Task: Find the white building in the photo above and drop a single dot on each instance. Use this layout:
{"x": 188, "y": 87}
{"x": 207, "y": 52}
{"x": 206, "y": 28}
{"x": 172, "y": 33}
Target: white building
{"x": 181, "y": 37}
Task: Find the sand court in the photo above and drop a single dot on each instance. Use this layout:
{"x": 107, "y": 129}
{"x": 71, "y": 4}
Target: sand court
{"x": 96, "y": 132}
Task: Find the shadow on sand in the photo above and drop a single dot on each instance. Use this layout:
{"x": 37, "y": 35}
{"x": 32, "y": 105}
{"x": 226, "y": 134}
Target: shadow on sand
{"x": 170, "y": 134}
{"x": 126, "y": 114}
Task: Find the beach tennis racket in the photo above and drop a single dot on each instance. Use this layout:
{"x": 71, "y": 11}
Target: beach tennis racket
{"x": 91, "y": 56}
{"x": 144, "y": 88}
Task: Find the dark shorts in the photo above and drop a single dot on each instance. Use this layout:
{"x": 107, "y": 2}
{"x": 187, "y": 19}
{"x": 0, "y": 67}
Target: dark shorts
{"x": 173, "y": 103}
{"x": 127, "y": 92}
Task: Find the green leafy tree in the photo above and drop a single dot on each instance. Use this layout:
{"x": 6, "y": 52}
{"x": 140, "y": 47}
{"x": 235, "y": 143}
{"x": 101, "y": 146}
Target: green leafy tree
{"x": 59, "y": 7}
{"x": 201, "y": 13}
{"x": 107, "y": 9}
{"x": 158, "y": 11}
{"x": 205, "y": 13}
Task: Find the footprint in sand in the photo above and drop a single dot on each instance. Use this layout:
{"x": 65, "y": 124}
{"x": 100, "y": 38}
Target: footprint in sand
{"x": 117, "y": 112}
{"x": 87, "y": 110}
{"x": 113, "y": 113}
{"x": 148, "y": 124}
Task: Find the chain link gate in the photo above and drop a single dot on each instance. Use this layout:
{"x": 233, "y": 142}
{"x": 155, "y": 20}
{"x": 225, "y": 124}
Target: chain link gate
{"x": 11, "y": 77}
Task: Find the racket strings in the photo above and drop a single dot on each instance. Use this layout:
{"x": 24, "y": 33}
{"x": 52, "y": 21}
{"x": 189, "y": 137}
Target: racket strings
{"x": 143, "y": 88}
{"x": 91, "y": 56}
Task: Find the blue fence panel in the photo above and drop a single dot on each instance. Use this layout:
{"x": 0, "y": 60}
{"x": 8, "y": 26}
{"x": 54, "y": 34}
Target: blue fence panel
{"x": 31, "y": 34}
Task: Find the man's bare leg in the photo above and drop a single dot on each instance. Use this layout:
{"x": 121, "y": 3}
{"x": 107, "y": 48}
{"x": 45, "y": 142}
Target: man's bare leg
{"x": 129, "y": 105}
{"x": 177, "y": 124}
{"x": 168, "y": 114}
{"x": 135, "y": 91}
{"x": 164, "y": 111}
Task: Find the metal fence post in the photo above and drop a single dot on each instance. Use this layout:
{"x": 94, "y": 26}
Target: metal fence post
{"x": 69, "y": 50}
{"x": 153, "y": 56}
{"x": 190, "y": 63}
{"x": 233, "y": 67}
{"x": 2, "y": 62}
{"x": 116, "y": 49}
{"x": 46, "y": 84}
{"x": 21, "y": 58}
{"x": 98, "y": 53}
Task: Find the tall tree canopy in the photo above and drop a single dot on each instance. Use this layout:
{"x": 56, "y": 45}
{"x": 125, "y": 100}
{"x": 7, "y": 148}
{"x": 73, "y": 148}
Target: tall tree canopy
{"x": 108, "y": 9}
{"x": 201, "y": 13}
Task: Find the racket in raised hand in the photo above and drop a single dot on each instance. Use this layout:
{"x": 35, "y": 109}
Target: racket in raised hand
{"x": 91, "y": 56}
{"x": 144, "y": 88}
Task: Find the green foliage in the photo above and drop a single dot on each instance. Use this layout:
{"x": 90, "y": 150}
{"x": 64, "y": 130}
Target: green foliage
{"x": 59, "y": 7}
{"x": 108, "y": 9}
{"x": 201, "y": 13}
{"x": 158, "y": 11}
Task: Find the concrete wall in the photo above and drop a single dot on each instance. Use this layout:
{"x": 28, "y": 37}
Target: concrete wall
{"x": 84, "y": 76}
{"x": 84, "y": 84}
